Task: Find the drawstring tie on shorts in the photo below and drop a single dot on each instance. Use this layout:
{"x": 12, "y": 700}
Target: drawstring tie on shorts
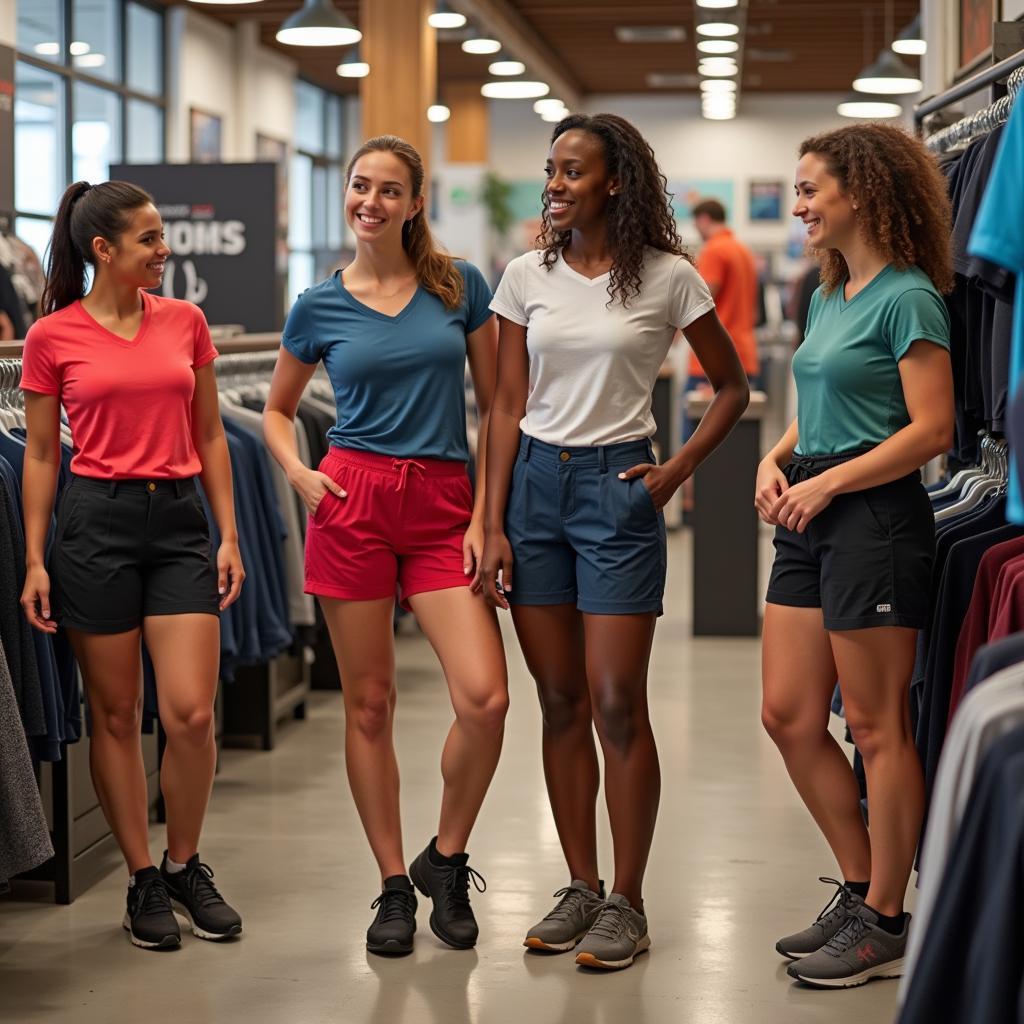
{"x": 403, "y": 466}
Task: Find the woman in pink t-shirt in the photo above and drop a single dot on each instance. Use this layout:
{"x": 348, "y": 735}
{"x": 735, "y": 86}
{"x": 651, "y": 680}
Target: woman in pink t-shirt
{"x": 132, "y": 556}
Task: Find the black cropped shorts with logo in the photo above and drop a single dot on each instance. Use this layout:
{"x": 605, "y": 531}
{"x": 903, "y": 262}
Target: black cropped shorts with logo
{"x": 127, "y": 549}
{"x": 865, "y": 560}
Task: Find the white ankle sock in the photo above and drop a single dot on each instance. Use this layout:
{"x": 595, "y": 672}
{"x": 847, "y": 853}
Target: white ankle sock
{"x": 173, "y": 867}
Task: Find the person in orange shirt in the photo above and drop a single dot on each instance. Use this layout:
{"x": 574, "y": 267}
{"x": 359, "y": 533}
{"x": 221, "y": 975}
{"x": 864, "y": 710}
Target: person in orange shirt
{"x": 728, "y": 267}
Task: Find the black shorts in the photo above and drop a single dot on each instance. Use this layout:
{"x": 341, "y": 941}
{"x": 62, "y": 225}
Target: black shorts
{"x": 865, "y": 560}
{"x": 126, "y": 549}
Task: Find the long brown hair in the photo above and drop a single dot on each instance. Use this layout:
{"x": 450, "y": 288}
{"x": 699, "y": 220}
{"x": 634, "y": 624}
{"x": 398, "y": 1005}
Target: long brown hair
{"x": 904, "y": 202}
{"x": 639, "y": 216}
{"x": 85, "y": 212}
{"x": 435, "y": 269}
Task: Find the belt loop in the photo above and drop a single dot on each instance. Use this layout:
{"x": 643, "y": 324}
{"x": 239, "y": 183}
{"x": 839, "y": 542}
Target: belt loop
{"x": 527, "y": 445}
{"x": 179, "y": 488}
{"x": 602, "y": 462}
{"x": 112, "y": 489}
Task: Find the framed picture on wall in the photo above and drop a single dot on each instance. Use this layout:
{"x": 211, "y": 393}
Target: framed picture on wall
{"x": 976, "y": 20}
{"x": 204, "y": 137}
{"x": 765, "y": 200}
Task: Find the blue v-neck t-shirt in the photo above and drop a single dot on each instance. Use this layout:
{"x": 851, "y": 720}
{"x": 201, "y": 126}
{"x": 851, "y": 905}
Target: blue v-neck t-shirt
{"x": 399, "y": 381}
{"x": 849, "y": 390}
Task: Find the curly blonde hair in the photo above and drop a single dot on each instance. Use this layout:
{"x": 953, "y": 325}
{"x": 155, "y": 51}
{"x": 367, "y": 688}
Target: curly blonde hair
{"x": 905, "y": 211}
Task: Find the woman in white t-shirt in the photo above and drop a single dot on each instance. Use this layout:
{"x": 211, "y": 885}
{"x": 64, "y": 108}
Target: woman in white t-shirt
{"x": 574, "y": 499}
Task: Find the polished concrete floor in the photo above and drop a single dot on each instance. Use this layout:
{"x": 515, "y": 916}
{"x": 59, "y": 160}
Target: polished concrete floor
{"x": 735, "y": 864}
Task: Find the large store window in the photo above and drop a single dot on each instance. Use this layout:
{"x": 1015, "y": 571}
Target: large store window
{"x": 315, "y": 215}
{"x": 89, "y": 92}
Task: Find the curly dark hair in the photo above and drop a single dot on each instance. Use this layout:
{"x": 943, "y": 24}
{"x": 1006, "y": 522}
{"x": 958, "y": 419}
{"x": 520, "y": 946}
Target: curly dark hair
{"x": 905, "y": 211}
{"x": 640, "y": 215}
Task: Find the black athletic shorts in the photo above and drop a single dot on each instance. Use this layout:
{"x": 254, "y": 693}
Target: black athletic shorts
{"x": 125, "y": 549}
{"x": 865, "y": 560}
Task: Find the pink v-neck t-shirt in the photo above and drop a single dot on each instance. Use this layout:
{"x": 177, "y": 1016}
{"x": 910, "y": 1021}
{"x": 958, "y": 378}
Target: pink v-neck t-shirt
{"x": 128, "y": 401}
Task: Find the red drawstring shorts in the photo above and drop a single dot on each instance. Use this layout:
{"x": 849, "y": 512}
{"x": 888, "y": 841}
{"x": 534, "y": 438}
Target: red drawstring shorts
{"x": 401, "y": 526}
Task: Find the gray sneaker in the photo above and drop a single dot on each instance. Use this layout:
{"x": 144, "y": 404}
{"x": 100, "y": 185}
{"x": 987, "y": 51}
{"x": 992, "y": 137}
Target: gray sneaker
{"x": 830, "y": 920}
{"x": 616, "y": 937}
{"x": 858, "y": 952}
{"x": 571, "y": 919}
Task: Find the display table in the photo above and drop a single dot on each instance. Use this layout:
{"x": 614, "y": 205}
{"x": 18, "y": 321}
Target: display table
{"x": 726, "y": 591}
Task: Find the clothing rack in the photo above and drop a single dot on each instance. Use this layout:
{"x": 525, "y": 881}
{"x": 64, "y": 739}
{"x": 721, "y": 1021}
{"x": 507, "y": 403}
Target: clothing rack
{"x": 969, "y": 86}
{"x": 982, "y": 122}
{"x": 84, "y": 847}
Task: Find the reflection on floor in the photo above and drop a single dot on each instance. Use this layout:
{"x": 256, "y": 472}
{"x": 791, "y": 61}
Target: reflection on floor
{"x": 734, "y": 865}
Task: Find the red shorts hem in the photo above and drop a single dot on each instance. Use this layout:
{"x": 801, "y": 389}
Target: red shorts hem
{"x": 344, "y": 593}
{"x": 428, "y": 587}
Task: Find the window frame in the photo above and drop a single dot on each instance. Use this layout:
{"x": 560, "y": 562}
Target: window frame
{"x": 69, "y": 76}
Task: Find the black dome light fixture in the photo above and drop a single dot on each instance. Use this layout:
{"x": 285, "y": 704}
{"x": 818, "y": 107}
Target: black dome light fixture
{"x": 869, "y": 105}
{"x": 888, "y": 75}
{"x": 911, "y": 39}
{"x": 318, "y": 23}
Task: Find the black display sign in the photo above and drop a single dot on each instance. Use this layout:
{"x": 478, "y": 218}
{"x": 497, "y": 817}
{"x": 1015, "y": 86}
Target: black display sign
{"x": 220, "y": 224}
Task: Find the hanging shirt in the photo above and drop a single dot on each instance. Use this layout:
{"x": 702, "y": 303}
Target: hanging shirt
{"x": 849, "y": 391}
{"x": 727, "y": 265}
{"x": 998, "y": 236}
{"x": 129, "y": 401}
{"x": 593, "y": 362}
{"x": 399, "y": 381}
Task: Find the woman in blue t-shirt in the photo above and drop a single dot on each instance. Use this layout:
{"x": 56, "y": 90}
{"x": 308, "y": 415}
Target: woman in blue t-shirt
{"x": 391, "y": 509}
{"x": 855, "y": 534}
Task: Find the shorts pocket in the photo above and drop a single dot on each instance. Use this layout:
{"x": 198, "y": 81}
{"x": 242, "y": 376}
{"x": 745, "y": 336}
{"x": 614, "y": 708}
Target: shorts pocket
{"x": 641, "y": 498}
{"x": 71, "y": 501}
{"x": 876, "y": 502}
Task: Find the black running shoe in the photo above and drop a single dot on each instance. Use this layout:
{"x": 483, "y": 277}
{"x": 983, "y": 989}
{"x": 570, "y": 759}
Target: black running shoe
{"x": 149, "y": 919}
{"x": 193, "y": 890}
{"x": 452, "y": 919}
{"x": 393, "y": 928}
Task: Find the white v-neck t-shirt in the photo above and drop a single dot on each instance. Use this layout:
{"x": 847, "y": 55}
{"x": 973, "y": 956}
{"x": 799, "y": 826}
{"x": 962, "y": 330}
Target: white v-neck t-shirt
{"x": 593, "y": 364}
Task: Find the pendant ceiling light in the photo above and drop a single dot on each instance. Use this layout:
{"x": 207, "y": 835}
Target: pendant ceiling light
{"x": 353, "y": 66}
{"x": 911, "y": 39}
{"x": 514, "y": 90}
{"x": 718, "y": 4}
{"x": 888, "y": 76}
{"x": 225, "y": 3}
{"x": 481, "y": 44}
{"x": 863, "y": 104}
{"x": 438, "y": 113}
{"x": 318, "y": 23}
{"x": 445, "y": 17}
{"x": 718, "y": 29}
{"x": 718, "y": 46}
{"x": 506, "y": 67}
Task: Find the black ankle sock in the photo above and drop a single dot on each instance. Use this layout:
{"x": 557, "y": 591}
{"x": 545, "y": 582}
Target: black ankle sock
{"x": 893, "y": 925}
{"x": 439, "y": 859}
{"x": 858, "y": 888}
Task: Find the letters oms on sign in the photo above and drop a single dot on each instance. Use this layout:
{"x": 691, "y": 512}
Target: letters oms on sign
{"x": 198, "y": 238}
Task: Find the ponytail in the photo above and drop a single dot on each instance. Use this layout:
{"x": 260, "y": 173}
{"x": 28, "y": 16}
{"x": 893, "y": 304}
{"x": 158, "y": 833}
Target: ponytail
{"x": 85, "y": 212}
{"x": 435, "y": 269}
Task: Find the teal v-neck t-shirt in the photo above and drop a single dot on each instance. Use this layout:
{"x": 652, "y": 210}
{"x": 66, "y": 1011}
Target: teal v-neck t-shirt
{"x": 849, "y": 391}
{"x": 399, "y": 381}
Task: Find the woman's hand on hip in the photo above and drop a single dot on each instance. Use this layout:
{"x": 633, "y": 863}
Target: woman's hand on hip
{"x": 35, "y": 600}
{"x": 312, "y": 485}
{"x": 660, "y": 482}
{"x": 771, "y": 485}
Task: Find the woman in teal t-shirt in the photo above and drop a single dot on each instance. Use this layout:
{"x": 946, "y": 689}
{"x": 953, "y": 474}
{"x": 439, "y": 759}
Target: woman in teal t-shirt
{"x": 855, "y": 534}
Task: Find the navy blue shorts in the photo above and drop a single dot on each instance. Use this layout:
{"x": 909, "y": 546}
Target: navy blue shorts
{"x": 582, "y": 536}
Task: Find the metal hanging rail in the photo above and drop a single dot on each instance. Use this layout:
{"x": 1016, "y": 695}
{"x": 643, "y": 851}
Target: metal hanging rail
{"x": 969, "y": 128}
{"x": 969, "y": 86}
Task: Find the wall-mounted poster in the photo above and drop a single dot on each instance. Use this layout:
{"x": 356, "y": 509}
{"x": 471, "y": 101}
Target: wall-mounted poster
{"x": 765, "y": 200}
{"x": 976, "y": 19}
{"x": 204, "y": 137}
{"x": 687, "y": 192}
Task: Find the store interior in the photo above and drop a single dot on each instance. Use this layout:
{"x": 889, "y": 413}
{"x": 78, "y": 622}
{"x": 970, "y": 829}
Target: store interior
{"x": 240, "y": 118}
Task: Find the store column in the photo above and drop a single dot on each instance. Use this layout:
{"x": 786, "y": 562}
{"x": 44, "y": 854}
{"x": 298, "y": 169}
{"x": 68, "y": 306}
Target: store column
{"x": 401, "y": 49}
{"x": 469, "y": 126}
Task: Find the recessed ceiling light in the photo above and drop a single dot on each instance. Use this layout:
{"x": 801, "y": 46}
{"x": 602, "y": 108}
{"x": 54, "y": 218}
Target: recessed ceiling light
{"x": 445, "y": 17}
{"x": 438, "y": 113}
{"x": 717, "y": 62}
{"x": 481, "y": 45}
{"x": 718, "y": 46}
{"x": 718, "y": 4}
{"x": 519, "y": 90}
{"x": 90, "y": 60}
{"x": 79, "y": 49}
{"x": 718, "y": 70}
{"x": 47, "y": 49}
{"x": 507, "y": 67}
{"x": 717, "y": 85}
{"x": 548, "y": 103}
{"x": 718, "y": 29}
{"x": 650, "y": 33}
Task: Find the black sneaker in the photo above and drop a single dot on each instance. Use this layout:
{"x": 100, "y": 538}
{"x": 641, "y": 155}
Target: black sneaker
{"x": 149, "y": 919}
{"x": 193, "y": 890}
{"x": 452, "y": 919}
{"x": 394, "y": 926}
